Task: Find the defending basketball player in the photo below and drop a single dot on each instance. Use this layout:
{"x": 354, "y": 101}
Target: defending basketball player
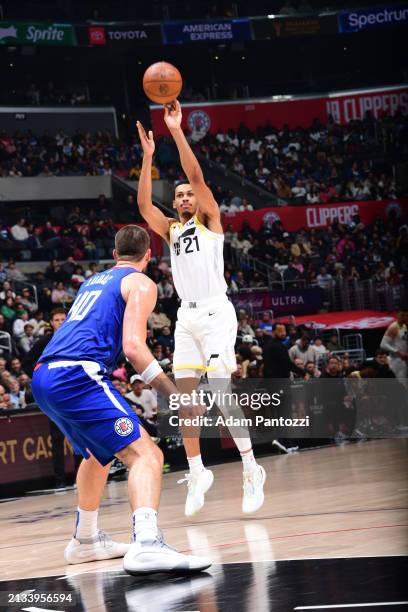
{"x": 206, "y": 326}
{"x": 72, "y": 386}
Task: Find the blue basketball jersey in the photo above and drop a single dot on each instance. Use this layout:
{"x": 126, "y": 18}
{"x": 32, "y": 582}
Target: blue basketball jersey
{"x": 92, "y": 330}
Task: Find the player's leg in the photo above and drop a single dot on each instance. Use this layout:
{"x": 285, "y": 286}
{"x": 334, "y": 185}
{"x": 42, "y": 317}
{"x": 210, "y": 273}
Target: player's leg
{"x": 218, "y": 340}
{"x": 189, "y": 365}
{"x": 69, "y": 396}
{"x": 149, "y": 553}
{"x": 199, "y": 478}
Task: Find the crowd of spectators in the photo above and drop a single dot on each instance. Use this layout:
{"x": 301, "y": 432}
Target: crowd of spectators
{"x": 314, "y": 256}
{"x": 325, "y": 163}
{"x": 322, "y": 164}
{"x": 322, "y": 257}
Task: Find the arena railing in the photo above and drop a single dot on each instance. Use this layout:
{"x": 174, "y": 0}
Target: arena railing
{"x": 5, "y": 343}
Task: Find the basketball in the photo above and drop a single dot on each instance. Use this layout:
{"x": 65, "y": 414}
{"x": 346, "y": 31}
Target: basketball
{"x": 162, "y": 83}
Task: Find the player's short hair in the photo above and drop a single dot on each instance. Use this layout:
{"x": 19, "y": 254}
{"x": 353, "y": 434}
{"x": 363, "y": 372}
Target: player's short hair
{"x": 132, "y": 242}
{"x": 181, "y": 182}
{"x": 56, "y": 311}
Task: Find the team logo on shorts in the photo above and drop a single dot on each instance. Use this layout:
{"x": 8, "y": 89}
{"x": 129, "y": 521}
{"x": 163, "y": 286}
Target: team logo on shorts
{"x": 123, "y": 426}
{"x": 198, "y": 121}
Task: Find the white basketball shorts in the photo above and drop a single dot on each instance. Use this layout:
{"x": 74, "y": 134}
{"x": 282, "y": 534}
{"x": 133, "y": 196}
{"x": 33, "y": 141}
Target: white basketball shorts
{"x": 205, "y": 336}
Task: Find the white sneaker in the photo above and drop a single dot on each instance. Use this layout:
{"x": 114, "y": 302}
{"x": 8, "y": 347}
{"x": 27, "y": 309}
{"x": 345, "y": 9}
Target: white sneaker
{"x": 197, "y": 485}
{"x": 152, "y": 556}
{"x": 97, "y": 548}
{"x": 254, "y": 496}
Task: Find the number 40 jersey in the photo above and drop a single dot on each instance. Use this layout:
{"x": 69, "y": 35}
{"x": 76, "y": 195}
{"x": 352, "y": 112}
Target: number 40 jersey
{"x": 92, "y": 330}
{"x": 197, "y": 261}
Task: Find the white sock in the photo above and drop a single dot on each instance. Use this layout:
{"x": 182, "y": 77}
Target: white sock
{"x": 86, "y": 524}
{"x": 248, "y": 461}
{"x": 195, "y": 464}
{"x": 144, "y": 524}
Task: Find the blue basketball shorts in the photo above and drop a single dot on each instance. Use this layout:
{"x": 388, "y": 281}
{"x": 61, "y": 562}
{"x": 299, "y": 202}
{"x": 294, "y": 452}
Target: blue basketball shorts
{"x": 79, "y": 397}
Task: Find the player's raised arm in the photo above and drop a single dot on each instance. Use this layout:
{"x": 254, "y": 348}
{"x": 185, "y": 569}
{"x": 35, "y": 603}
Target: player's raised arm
{"x": 150, "y": 213}
{"x": 207, "y": 204}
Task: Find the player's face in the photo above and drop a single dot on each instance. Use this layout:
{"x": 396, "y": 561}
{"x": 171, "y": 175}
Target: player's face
{"x": 185, "y": 201}
{"x": 57, "y": 320}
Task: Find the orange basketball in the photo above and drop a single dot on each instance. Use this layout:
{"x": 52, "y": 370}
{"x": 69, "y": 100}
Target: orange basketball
{"x": 162, "y": 83}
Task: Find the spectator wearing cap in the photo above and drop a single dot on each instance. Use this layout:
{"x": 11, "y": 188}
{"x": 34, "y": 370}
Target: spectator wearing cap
{"x": 141, "y": 396}
{"x": 303, "y": 350}
{"x": 334, "y": 344}
{"x": 28, "y": 302}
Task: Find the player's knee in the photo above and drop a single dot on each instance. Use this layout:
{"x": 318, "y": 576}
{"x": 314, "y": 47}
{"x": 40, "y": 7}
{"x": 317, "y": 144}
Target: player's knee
{"x": 156, "y": 455}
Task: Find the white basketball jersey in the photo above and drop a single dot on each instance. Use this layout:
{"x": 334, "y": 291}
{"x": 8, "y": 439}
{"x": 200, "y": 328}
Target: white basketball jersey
{"x": 197, "y": 261}
{"x": 401, "y": 339}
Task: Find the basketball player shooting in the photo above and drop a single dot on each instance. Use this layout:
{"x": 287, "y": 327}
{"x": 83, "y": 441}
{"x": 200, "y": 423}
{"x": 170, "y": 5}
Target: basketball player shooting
{"x": 71, "y": 385}
{"x": 206, "y": 325}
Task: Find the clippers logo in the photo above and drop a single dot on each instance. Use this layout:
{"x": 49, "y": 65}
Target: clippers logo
{"x": 97, "y": 36}
{"x": 395, "y": 209}
{"x": 123, "y": 426}
{"x": 199, "y": 121}
{"x": 270, "y": 218}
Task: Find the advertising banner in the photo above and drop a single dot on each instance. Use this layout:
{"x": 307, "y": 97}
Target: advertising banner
{"x": 223, "y": 30}
{"x": 288, "y": 27}
{"x": 26, "y": 448}
{"x": 349, "y": 319}
{"x": 370, "y": 18}
{"x": 296, "y": 301}
{"x": 36, "y": 33}
{"x": 200, "y": 118}
{"x": 129, "y": 34}
{"x": 318, "y": 216}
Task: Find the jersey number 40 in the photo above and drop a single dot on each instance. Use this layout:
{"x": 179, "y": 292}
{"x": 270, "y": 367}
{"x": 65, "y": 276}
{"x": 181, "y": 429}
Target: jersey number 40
{"x": 83, "y": 305}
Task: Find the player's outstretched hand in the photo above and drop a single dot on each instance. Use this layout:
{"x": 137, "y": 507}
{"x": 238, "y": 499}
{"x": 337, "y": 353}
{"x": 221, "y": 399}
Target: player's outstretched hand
{"x": 173, "y": 115}
{"x": 146, "y": 139}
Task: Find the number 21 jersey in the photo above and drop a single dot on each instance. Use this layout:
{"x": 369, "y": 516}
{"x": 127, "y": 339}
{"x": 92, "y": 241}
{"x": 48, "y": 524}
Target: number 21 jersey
{"x": 92, "y": 330}
{"x": 197, "y": 261}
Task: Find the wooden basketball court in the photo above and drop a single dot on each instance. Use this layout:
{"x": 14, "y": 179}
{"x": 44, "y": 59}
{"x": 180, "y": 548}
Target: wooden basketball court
{"x": 333, "y": 532}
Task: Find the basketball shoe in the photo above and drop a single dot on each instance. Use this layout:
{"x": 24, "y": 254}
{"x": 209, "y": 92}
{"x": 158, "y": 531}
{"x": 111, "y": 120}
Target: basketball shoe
{"x": 154, "y": 555}
{"x": 254, "y": 497}
{"x": 98, "y": 548}
{"x": 197, "y": 487}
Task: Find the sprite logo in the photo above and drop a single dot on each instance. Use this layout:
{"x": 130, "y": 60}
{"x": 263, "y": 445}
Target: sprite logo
{"x": 52, "y": 33}
{"x": 36, "y": 33}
